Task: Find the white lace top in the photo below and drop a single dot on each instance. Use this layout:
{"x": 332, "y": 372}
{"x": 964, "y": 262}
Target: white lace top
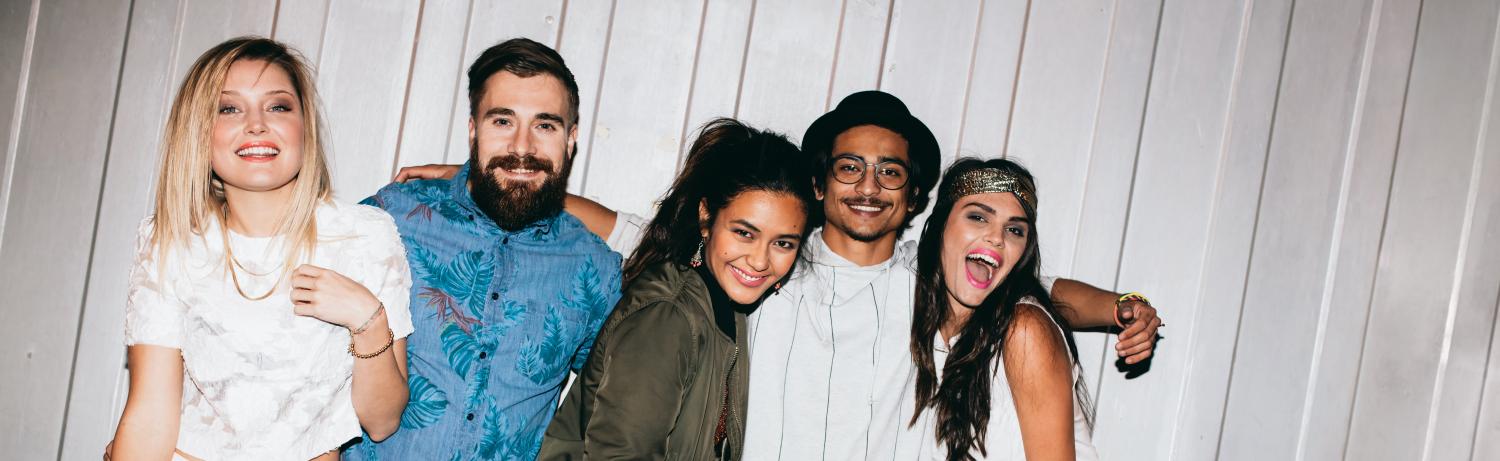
{"x": 259, "y": 381}
{"x": 1003, "y": 434}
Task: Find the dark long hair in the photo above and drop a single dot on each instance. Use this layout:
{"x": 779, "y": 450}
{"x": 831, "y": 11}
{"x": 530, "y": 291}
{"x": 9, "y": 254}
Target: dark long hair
{"x": 727, "y": 159}
{"x": 962, "y": 400}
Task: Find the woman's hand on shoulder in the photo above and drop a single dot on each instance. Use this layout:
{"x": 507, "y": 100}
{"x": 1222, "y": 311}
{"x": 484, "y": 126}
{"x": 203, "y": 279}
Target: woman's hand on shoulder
{"x": 329, "y": 296}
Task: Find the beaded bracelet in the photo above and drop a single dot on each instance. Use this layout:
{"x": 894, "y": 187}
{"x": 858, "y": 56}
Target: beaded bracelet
{"x": 1131, "y": 296}
{"x": 390, "y": 339}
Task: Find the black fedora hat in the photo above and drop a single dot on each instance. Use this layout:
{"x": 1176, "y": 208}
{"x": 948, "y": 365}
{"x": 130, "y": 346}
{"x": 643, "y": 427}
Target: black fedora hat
{"x": 886, "y": 111}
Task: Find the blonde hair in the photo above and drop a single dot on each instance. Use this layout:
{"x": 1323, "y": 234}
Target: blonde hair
{"x": 189, "y": 195}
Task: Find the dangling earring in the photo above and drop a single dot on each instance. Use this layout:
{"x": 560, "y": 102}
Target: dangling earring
{"x": 697, "y": 255}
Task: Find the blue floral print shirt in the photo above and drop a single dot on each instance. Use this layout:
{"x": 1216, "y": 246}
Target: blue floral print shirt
{"x": 501, "y": 317}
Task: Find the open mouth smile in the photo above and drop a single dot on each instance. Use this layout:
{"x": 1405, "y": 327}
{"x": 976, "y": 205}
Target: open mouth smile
{"x": 980, "y": 267}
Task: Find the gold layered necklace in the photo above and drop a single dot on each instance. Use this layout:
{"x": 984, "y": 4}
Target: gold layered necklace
{"x": 235, "y": 262}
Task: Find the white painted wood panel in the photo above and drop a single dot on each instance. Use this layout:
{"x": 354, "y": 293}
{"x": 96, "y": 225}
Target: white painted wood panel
{"x": 1220, "y": 301}
{"x": 301, "y": 24}
{"x": 435, "y": 84}
{"x": 1366, "y": 179}
{"x": 1107, "y": 181}
{"x": 363, "y": 88}
{"x": 1182, "y": 152}
{"x": 1471, "y": 312}
{"x": 644, "y": 94}
{"x": 1487, "y": 428}
{"x": 1305, "y": 188}
{"x": 1286, "y": 274}
{"x": 1417, "y": 273}
{"x": 15, "y": 29}
{"x": 718, "y": 64}
{"x": 584, "y": 44}
{"x": 61, "y": 153}
{"x": 788, "y": 64}
{"x": 862, "y": 27}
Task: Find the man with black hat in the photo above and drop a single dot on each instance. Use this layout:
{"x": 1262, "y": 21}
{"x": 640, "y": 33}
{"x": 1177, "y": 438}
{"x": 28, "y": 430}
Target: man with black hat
{"x": 831, "y": 374}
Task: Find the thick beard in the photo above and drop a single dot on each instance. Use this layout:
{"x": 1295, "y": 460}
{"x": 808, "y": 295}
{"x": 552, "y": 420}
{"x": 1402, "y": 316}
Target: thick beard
{"x": 516, "y": 206}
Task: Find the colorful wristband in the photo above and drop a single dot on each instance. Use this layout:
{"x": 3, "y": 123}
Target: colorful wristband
{"x": 1131, "y": 296}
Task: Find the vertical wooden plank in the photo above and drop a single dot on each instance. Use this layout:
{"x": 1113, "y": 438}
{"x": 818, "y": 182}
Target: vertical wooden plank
{"x": 166, "y": 36}
{"x": 1487, "y": 428}
{"x": 638, "y": 126}
{"x": 437, "y": 76}
{"x": 74, "y": 77}
{"x": 861, "y": 49}
{"x": 301, "y": 24}
{"x": 205, "y": 24}
{"x": 16, "y": 29}
{"x": 362, "y": 76}
{"x": 992, "y": 90}
{"x": 1106, "y": 183}
{"x": 1471, "y": 314}
{"x": 584, "y": 43}
{"x": 491, "y": 22}
{"x": 1366, "y": 179}
{"x": 1256, "y": 63}
{"x": 928, "y": 56}
{"x": 718, "y": 64}
{"x": 1186, "y": 144}
{"x": 1408, "y": 326}
{"x": 1294, "y": 234}
{"x": 787, "y": 69}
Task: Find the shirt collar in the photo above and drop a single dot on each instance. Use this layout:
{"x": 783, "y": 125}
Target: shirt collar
{"x": 817, "y": 252}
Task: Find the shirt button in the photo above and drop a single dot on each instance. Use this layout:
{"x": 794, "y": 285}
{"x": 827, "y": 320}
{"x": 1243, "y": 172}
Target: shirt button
{"x": 505, "y": 241}
{"x": 483, "y": 355}
{"x": 470, "y": 417}
{"x": 494, "y": 296}
{"x": 471, "y": 216}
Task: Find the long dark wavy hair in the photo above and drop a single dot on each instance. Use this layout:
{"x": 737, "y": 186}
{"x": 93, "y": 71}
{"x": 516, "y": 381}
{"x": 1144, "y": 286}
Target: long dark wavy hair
{"x": 727, "y": 159}
{"x": 962, "y": 400}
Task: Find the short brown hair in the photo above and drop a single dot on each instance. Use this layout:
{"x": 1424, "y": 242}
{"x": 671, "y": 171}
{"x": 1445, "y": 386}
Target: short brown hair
{"x": 525, "y": 58}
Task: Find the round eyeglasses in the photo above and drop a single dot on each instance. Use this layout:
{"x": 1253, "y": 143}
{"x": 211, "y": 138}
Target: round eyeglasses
{"x": 890, "y": 174}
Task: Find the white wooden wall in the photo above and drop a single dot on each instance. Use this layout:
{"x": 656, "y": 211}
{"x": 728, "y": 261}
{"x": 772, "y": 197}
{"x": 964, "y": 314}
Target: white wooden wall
{"x": 1308, "y": 189}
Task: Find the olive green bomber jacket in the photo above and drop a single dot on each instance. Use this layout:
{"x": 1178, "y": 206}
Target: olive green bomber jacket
{"x": 654, "y": 384}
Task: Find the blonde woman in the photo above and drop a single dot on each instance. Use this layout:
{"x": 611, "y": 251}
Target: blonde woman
{"x": 263, "y": 320}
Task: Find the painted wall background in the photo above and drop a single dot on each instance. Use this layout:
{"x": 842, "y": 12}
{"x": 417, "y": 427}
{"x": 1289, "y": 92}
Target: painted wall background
{"x": 1307, "y": 189}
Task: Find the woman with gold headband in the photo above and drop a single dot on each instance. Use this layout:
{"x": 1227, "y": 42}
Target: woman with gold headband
{"x": 997, "y": 373}
{"x": 263, "y": 321}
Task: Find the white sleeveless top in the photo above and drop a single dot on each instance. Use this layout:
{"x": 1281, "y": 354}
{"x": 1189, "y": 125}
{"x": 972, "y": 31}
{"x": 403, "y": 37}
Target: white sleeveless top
{"x": 260, "y": 382}
{"x": 1003, "y": 436}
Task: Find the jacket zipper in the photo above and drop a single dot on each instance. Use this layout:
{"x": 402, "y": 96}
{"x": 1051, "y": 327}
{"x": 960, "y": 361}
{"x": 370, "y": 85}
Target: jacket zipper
{"x": 723, "y": 445}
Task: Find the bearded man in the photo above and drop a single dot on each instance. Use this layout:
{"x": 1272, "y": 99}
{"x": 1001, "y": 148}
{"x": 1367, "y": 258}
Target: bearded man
{"x": 508, "y": 292}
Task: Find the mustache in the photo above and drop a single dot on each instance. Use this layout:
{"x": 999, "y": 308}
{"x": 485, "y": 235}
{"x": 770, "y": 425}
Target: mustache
{"x": 512, "y": 162}
{"x": 866, "y": 201}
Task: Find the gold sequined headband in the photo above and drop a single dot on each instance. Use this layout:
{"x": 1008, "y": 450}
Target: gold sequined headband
{"x": 988, "y": 180}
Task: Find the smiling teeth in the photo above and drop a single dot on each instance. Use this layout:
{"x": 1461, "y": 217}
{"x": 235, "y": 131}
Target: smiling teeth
{"x": 871, "y": 209}
{"x": 747, "y": 277}
{"x": 259, "y": 150}
{"x": 522, "y": 171}
{"x": 984, "y": 258}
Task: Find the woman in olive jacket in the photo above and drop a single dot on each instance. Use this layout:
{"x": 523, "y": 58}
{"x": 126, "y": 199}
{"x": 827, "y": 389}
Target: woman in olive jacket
{"x": 666, "y": 378}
